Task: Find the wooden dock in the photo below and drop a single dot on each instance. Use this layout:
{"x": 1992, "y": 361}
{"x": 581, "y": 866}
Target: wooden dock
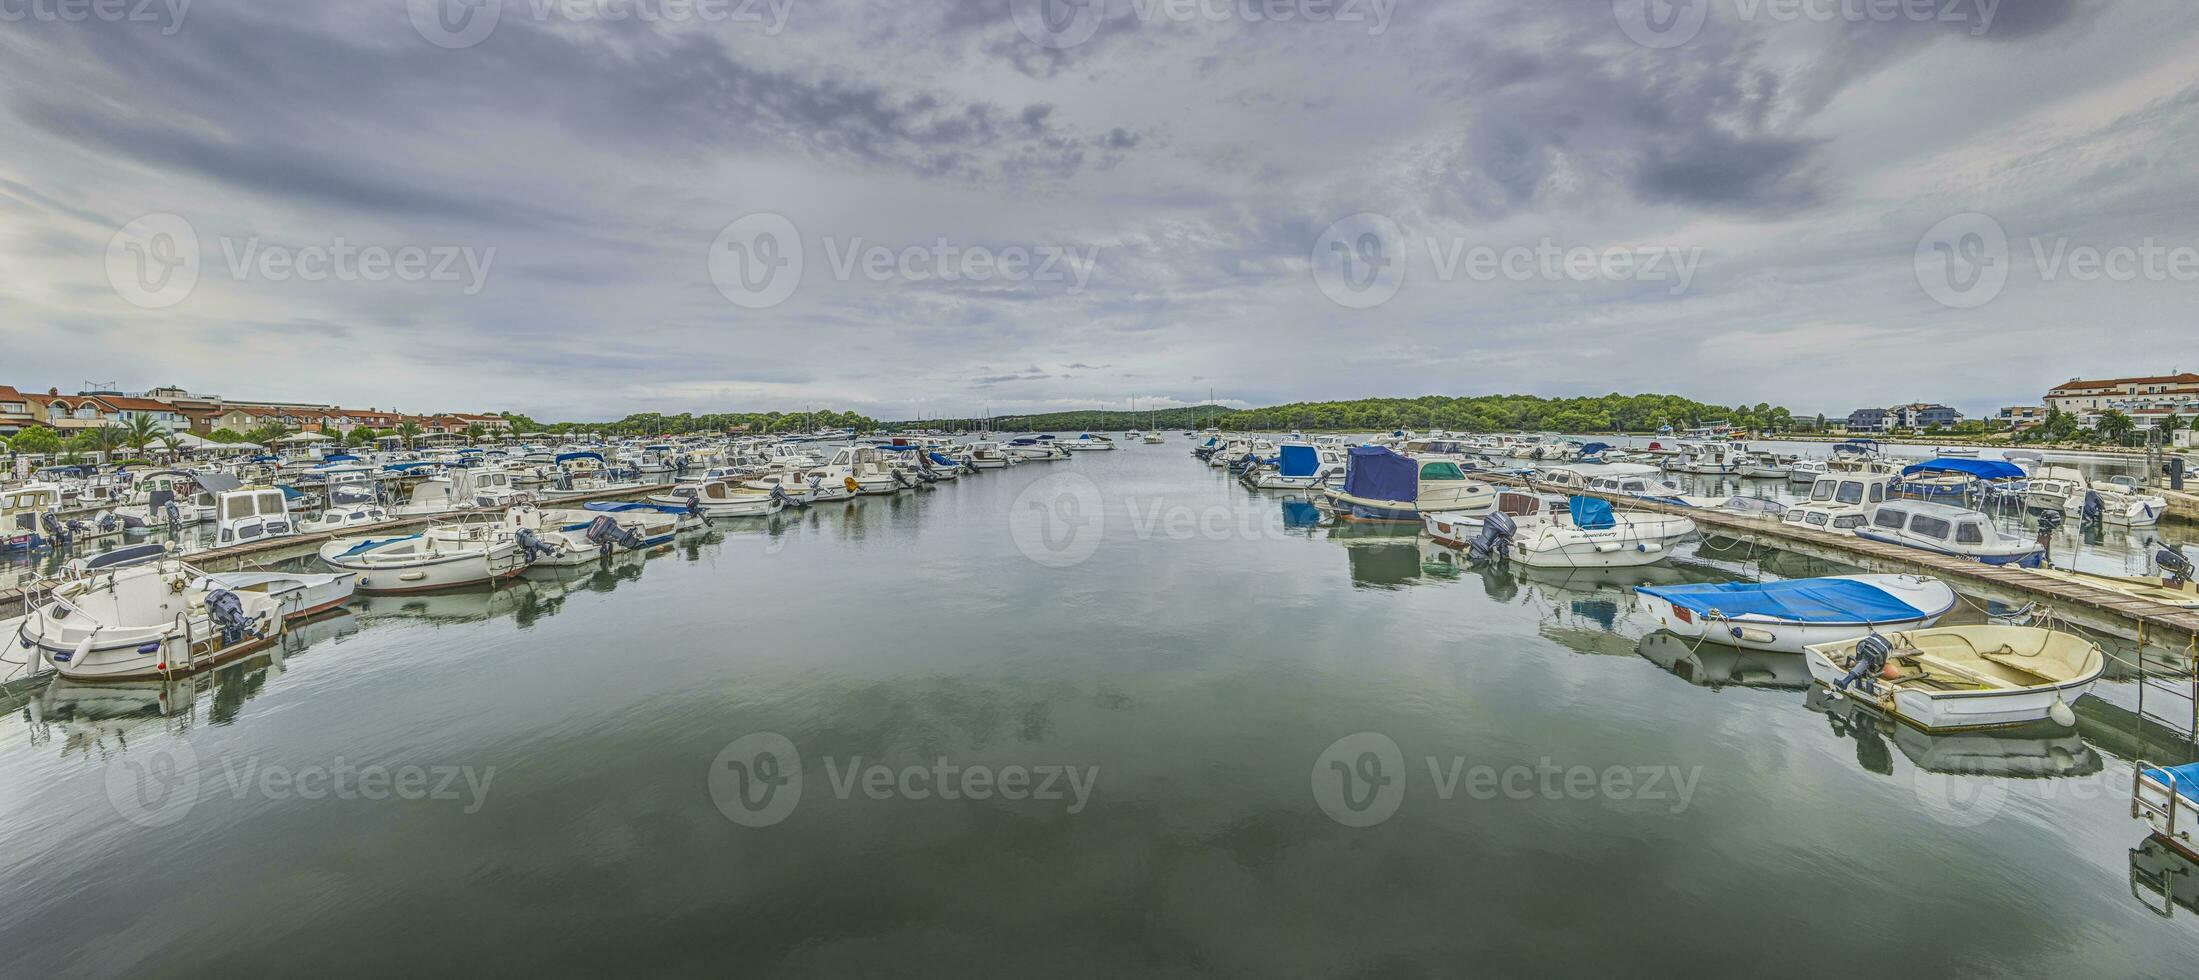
{"x": 295, "y": 545}
{"x": 2140, "y": 621}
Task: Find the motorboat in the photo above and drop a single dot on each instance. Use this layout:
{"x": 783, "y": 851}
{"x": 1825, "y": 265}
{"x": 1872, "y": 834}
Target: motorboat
{"x": 2173, "y": 587}
{"x": 1954, "y": 677}
{"x": 1154, "y": 439}
{"x": 1806, "y": 471}
{"x": 1787, "y": 615}
{"x": 1035, "y": 449}
{"x": 2120, "y": 501}
{"x": 987, "y": 455}
{"x": 2050, "y": 487}
{"x": 1763, "y": 466}
{"x": 148, "y": 620}
{"x": 1087, "y": 442}
{"x": 563, "y": 537}
{"x": 442, "y": 557}
{"x": 297, "y": 594}
{"x": 864, "y": 470}
{"x": 1841, "y": 502}
{"x": 1949, "y": 530}
{"x": 1710, "y": 458}
{"x": 1385, "y": 486}
{"x": 1582, "y": 532}
{"x": 1297, "y": 466}
{"x": 347, "y": 507}
{"x": 251, "y": 514}
{"x": 723, "y": 498}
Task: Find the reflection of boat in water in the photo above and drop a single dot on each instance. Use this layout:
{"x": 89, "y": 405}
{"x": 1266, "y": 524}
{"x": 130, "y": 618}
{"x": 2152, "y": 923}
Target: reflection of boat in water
{"x": 2161, "y": 877}
{"x": 465, "y": 606}
{"x": 116, "y": 706}
{"x": 2034, "y": 751}
{"x": 1715, "y": 665}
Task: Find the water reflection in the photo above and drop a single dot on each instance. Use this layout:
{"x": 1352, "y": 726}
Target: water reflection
{"x": 2162, "y": 878}
{"x": 2031, "y": 751}
{"x": 1715, "y": 665}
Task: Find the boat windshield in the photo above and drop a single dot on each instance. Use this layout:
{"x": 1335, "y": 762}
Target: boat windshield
{"x": 1823, "y": 489}
{"x": 1851, "y": 492}
{"x": 1441, "y": 470}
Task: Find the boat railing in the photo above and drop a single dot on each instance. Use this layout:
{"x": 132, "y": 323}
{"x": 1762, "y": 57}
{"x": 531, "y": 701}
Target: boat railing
{"x": 2140, "y": 806}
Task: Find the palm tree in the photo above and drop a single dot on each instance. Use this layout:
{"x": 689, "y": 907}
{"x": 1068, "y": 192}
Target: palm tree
{"x": 2114, "y": 425}
{"x": 408, "y": 430}
{"x": 474, "y": 432}
{"x": 173, "y": 444}
{"x": 143, "y": 431}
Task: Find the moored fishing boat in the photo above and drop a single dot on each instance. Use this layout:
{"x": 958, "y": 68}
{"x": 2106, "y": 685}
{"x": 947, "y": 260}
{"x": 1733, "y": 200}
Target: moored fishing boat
{"x": 149, "y": 620}
{"x": 1952, "y": 677}
{"x": 1948, "y": 530}
{"x": 723, "y": 498}
{"x": 1785, "y": 616}
{"x": 442, "y": 557}
{"x": 1549, "y": 531}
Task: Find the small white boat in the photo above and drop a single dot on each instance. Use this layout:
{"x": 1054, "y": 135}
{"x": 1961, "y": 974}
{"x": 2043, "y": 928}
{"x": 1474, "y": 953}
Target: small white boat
{"x": 251, "y": 514}
{"x": 1297, "y": 466}
{"x": 1806, "y": 471}
{"x": 148, "y": 620}
{"x": 723, "y": 498}
{"x": 1584, "y": 532}
{"x": 1841, "y": 502}
{"x": 2120, "y": 502}
{"x": 1383, "y": 486}
{"x": 1786, "y": 616}
{"x": 1949, "y": 530}
{"x": 1953, "y": 677}
{"x": 297, "y": 594}
{"x": 1087, "y": 442}
{"x": 438, "y": 558}
{"x": 348, "y": 507}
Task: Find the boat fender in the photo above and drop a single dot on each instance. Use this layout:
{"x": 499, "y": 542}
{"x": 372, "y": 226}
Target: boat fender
{"x": 412, "y": 576}
{"x": 2061, "y": 714}
{"x": 1752, "y": 634}
{"x": 1607, "y": 547}
{"x": 83, "y": 646}
{"x": 850, "y": 483}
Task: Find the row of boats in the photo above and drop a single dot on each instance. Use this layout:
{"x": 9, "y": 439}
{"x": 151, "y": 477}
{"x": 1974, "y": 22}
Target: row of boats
{"x": 142, "y": 611}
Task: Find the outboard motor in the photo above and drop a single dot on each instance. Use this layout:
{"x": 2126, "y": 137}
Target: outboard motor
{"x": 227, "y": 613}
{"x": 605, "y": 531}
{"x": 2092, "y": 507}
{"x": 779, "y": 494}
{"x": 1495, "y": 541}
{"x": 2175, "y": 568}
{"x": 175, "y": 517}
{"x": 58, "y": 531}
{"x": 531, "y": 545}
{"x": 694, "y": 505}
{"x": 2049, "y": 522}
{"x": 1870, "y": 658}
{"x": 900, "y": 478}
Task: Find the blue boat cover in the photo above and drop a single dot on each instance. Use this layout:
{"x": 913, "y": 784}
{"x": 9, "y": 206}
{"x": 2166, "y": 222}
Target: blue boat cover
{"x": 598, "y": 457}
{"x": 1298, "y": 460}
{"x": 1594, "y": 447}
{"x": 630, "y": 507}
{"x": 1983, "y": 469}
{"x": 1375, "y": 473}
{"x": 2186, "y": 779}
{"x": 1807, "y": 600}
{"x": 407, "y": 467}
{"x": 1592, "y": 513}
{"x": 943, "y": 460}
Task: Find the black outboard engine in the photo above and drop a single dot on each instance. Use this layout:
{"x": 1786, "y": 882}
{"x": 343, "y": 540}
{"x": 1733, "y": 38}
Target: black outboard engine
{"x": 1495, "y": 540}
{"x": 605, "y": 531}
{"x": 1870, "y": 658}
{"x": 227, "y": 613}
{"x": 2175, "y": 568}
{"x": 779, "y": 494}
{"x": 59, "y": 533}
{"x": 175, "y": 517}
{"x": 2050, "y": 521}
{"x": 900, "y": 478}
{"x": 2092, "y": 507}
{"x": 531, "y": 545}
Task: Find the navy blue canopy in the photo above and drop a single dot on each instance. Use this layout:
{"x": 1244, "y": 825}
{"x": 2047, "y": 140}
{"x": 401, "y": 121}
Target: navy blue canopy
{"x": 1809, "y": 600}
{"x": 631, "y": 507}
{"x": 598, "y": 457}
{"x": 1592, "y": 513}
{"x": 1298, "y": 460}
{"x": 340, "y": 458}
{"x": 408, "y": 467}
{"x": 1983, "y": 469}
{"x": 1376, "y": 473}
{"x": 944, "y": 460}
{"x": 1594, "y": 447}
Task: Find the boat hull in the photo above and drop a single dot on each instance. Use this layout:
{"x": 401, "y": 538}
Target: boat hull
{"x": 1758, "y": 632}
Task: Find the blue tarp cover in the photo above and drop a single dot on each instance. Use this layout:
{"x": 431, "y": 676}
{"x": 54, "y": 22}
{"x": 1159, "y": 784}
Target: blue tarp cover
{"x": 1594, "y": 447}
{"x": 943, "y": 460}
{"x": 1809, "y": 600}
{"x": 1375, "y": 473}
{"x": 1592, "y": 513}
{"x": 2186, "y": 779}
{"x": 1983, "y": 469}
{"x": 598, "y": 457}
{"x": 1298, "y": 460}
{"x": 629, "y": 507}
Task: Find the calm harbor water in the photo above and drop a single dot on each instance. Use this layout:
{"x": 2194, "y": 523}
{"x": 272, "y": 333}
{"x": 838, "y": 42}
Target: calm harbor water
{"x": 1213, "y": 741}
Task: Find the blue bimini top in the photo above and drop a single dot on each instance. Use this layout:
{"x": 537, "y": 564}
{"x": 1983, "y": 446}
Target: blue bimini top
{"x": 1809, "y": 600}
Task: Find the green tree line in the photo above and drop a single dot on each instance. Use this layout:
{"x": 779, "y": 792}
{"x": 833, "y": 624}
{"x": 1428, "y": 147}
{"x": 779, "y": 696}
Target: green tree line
{"x": 1475, "y": 413}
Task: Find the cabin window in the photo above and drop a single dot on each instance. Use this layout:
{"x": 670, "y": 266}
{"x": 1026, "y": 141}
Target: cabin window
{"x": 1851, "y": 493}
{"x": 1878, "y": 492}
{"x": 1816, "y": 520}
{"x": 1930, "y": 527}
{"x": 234, "y": 507}
{"x": 1848, "y": 521}
{"x": 1441, "y": 470}
{"x": 1637, "y": 487}
{"x": 1969, "y": 534}
{"x": 1823, "y": 489}
{"x": 1889, "y": 518}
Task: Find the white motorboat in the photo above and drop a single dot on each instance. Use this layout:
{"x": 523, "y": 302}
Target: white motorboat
{"x": 441, "y": 557}
{"x": 2120, "y": 501}
{"x": 1840, "y": 503}
{"x": 1785, "y": 616}
{"x": 1949, "y": 530}
{"x": 1154, "y": 439}
{"x": 1806, "y": 471}
{"x": 1087, "y": 442}
{"x": 1710, "y": 458}
{"x": 866, "y": 469}
{"x": 297, "y": 594}
{"x": 561, "y": 537}
{"x": 1383, "y": 486}
{"x": 1583, "y": 532}
{"x": 251, "y": 514}
{"x": 723, "y": 498}
{"x": 1034, "y": 449}
{"x": 148, "y": 620}
{"x": 987, "y": 455}
{"x": 348, "y": 507}
{"x": 2049, "y": 487}
{"x": 1953, "y": 677}
{"x": 1763, "y": 466}
{"x": 1297, "y": 466}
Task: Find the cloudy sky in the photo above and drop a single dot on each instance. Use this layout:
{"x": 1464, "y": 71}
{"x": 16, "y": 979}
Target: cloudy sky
{"x": 585, "y": 208}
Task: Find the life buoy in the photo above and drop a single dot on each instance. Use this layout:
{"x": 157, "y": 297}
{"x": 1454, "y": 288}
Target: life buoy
{"x": 852, "y": 486}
